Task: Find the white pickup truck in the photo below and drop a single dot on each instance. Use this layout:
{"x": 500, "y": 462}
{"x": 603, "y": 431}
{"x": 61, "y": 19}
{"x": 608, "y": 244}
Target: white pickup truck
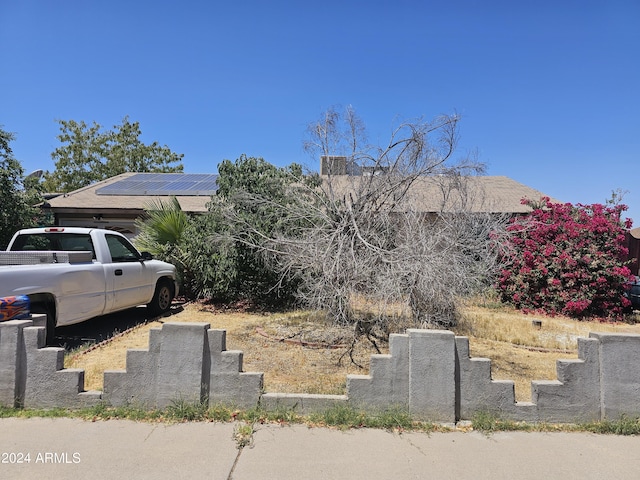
{"x": 74, "y": 274}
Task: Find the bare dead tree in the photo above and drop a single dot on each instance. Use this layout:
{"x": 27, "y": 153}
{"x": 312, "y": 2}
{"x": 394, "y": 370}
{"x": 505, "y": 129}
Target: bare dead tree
{"x": 401, "y": 235}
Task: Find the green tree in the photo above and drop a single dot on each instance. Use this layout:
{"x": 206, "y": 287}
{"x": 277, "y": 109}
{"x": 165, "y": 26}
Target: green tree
{"x": 246, "y": 211}
{"x": 89, "y": 154}
{"x": 16, "y": 202}
{"x": 208, "y": 259}
{"x": 253, "y": 196}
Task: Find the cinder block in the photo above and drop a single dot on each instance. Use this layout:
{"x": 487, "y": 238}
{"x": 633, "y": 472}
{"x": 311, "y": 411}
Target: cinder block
{"x": 39, "y": 319}
{"x": 432, "y": 369}
{"x": 217, "y": 340}
{"x": 137, "y": 385}
{"x": 229, "y": 362}
{"x": 619, "y": 374}
{"x": 180, "y": 362}
{"x": 241, "y": 390}
{"x": 12, "y": 362}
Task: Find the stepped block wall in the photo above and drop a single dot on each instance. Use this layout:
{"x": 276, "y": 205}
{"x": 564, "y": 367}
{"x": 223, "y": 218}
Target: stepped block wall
{"x": 228, "y": 384}
{"x": 428, "y": 373}
{"x": 172, "y": 369}
{"x": 33, "y": 376}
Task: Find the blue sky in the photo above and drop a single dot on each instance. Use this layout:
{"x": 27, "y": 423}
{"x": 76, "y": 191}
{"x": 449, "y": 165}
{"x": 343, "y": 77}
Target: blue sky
{"x": 549, "y": 91}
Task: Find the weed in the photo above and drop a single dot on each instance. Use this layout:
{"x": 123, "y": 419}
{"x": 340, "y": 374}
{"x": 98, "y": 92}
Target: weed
{"x": 346, "y": 417}
{"x": 487, "y": 422}
{"x": 220, "y": 413}
{"x": 281, "y": 415}
{"x": 342, "y": 417}
{"x": 6, "y": 412}
{"x": 243, "y": 434}
{"x": 80, "y": 349}
{"x": 183, "y": 410}
{"x": 102, "y": 411}
{"x": 623, "y": 426}
{"x": 395, "y": 418}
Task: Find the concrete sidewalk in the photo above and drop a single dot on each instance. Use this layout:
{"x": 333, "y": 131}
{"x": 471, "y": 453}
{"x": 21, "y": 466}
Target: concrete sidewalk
{"x": 72, "y": 449}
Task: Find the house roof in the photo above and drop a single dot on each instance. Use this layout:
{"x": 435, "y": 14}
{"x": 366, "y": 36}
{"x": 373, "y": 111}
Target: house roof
{"x": 134, "y": 191}
{"x": 486, "y": 194}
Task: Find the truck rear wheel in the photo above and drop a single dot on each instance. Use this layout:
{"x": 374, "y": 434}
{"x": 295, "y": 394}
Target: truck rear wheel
{"x": 162, "y": 298}
{"x": 45, "y": 303}
{"x": 51, "y": 325}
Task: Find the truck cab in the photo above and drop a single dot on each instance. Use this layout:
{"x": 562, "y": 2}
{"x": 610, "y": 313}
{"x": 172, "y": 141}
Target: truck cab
{"x": 74, "y": 274}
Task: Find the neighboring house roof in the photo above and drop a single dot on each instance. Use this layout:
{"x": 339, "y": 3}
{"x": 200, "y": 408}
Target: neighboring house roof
{"x": 487, "y": 194}
{"x": 134, "y": 191}
{"x": 635, "y": 232}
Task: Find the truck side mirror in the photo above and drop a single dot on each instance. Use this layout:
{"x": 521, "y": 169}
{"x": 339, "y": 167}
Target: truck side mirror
{"x": 145, "y": 256}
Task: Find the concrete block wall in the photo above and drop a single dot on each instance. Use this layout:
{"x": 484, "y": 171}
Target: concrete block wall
{"x": 619, "y": 374}
{"x": 184, "y": 362}
{"x": 419, "y": 375}
{"x": 12, "y": 362}
{"x": 427, "y": 372}
{"x": 477, "y": 391}
{"x": 432, "y": 375}
{"x": 32, "y": 375}
{"x": 575, "y": 395}
{"x": 48, "y": 384}
{"x": 228, "y": 384}
{"x": 387, "y": 384}
{"x": 172, "y": 369}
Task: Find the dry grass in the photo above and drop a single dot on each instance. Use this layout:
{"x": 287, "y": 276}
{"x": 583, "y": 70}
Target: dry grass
{"x": 288, "y": 368}
{"x": 522, "y": 352}
{"x": 519, "y": 351}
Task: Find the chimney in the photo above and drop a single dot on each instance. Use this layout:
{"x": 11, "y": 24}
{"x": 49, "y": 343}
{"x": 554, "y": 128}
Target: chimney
{"x": 333, "y": 165}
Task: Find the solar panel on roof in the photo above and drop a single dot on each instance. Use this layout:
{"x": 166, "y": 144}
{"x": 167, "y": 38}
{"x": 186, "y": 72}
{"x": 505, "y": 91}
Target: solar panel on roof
{"x": 158, "y": 184}
{"x": 184, "y": 184}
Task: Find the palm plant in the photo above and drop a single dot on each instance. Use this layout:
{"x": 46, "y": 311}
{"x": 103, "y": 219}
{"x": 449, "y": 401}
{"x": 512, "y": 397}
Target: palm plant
{"x": 161, "y": 231}
{"x": 162, "y": 227}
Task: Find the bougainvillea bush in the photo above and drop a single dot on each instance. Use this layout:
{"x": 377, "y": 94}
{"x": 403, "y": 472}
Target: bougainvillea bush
{"x": 567, "y": 259}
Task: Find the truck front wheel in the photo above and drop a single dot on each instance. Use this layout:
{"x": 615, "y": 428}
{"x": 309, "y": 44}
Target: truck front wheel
{"x": 161, "y": 301}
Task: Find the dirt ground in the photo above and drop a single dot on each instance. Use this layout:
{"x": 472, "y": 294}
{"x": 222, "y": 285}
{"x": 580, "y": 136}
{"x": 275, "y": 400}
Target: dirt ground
{"x": 300, "y": 353}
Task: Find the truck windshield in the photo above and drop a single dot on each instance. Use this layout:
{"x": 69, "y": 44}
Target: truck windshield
{"x": 54, "y": 241}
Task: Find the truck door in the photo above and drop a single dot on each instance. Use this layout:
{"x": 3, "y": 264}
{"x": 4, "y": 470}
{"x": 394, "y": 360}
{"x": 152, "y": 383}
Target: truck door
{"x": 126, "y": 273}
